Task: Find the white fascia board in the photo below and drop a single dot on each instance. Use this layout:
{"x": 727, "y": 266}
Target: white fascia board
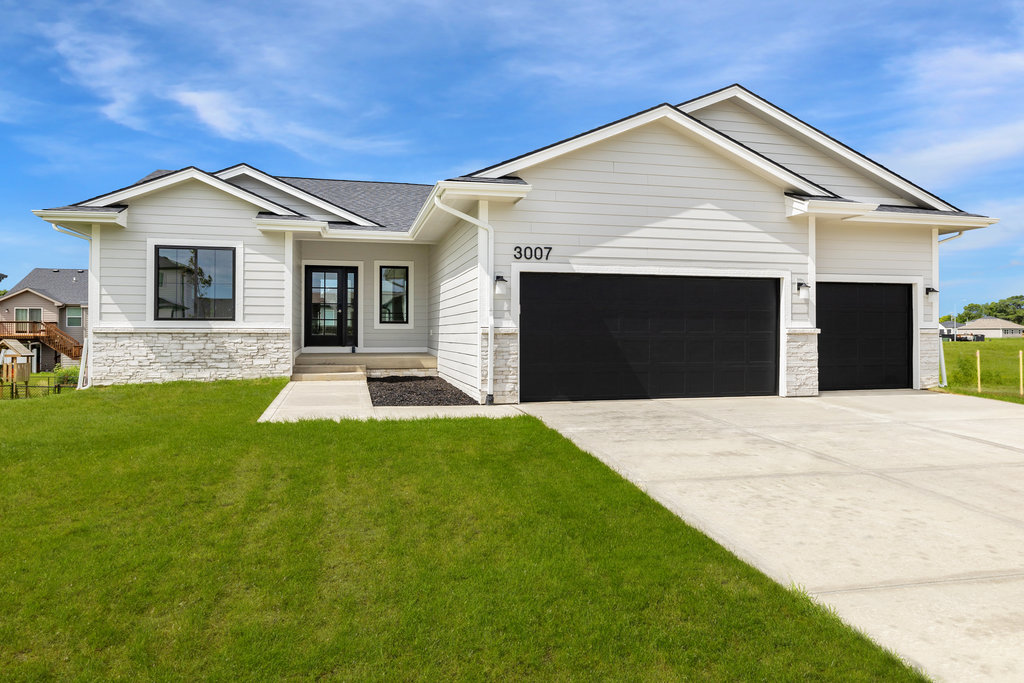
{"x": 495, "y": 192}
{"x": 284, "y": 225}
{"x": 57, "y": 217}
{"x": 958, "y": 222}
{"x": 666, "y": 112}
{"x": 182, "y": 176}
{"x": 29, "y": 289}
{"x": 817, "y": 207}
{"x": 803, "y": 129}
{"x": 256, "y": 174}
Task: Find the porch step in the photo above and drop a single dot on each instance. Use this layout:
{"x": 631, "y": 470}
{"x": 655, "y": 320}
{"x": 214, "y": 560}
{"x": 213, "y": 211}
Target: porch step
{"x": 347, "y": 376}
{"x": 327, "y": 367}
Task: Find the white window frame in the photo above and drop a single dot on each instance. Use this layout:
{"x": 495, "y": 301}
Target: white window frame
{"x": 410, "y": 295}
{"x": 29, "y": 318}
{"x": 153, "y": 242}
{"x": 68, "y": 316}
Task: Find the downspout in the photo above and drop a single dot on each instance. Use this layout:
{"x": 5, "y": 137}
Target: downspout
{"x": 489, "y": 276}
{"x": 83, "y": 369}
{"x": 942, "y": 351}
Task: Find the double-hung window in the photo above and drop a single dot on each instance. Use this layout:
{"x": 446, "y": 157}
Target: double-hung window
{"x": 195, "y": 283}
{"x": 73, "y": 316}
{"x": 394, "y": 295}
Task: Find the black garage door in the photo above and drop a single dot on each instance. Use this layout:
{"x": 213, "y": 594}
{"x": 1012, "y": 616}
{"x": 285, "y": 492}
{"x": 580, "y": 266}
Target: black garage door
{"x": 639, "y": 336}
{"x": 865, "y": 340}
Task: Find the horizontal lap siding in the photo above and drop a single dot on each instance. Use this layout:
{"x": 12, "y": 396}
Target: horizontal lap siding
{"x": 873, "y": 251}
{"x": 29, "y": 300}
{"x": 651, "y": 197}
{"x": 454, "y": 308}
{"x": 366, "y": 254}
{"x": 176, "y": 215}
{"x": 808, "y": 161}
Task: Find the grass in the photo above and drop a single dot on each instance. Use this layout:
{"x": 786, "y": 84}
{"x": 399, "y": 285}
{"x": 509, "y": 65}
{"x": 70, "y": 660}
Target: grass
{"x": 999, "y": 368}
{"x": 155, "y": 532}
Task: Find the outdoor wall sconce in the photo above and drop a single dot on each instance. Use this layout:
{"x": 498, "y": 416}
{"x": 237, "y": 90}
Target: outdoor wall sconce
{"x": 930, "y": 290}
{"x": 500, "y": 285}
{"x": 803, "y": 289}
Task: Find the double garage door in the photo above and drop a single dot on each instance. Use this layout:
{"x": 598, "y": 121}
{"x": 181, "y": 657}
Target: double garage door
{"x": 588, "y": 336}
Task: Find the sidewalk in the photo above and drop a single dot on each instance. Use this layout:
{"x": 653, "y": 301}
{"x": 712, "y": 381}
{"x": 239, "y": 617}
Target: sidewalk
{"x": 351, "y": 401}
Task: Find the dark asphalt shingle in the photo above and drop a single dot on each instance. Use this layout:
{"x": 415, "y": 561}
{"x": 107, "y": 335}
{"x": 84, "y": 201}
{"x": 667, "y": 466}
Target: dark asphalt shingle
{"x": 66, "y": 285}
{"x": 393, "y": 206}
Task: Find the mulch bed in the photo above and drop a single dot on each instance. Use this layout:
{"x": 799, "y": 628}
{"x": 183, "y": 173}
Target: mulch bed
{"x": 415, "y": 391}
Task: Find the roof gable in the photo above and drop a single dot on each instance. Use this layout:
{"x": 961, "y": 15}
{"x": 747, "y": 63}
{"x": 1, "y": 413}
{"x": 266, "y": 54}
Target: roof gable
{"x": 156, "y": 183}
{"x": 686, "y": 124}
{"x": 779, "y": 117}
{"x": 59, "y": 285}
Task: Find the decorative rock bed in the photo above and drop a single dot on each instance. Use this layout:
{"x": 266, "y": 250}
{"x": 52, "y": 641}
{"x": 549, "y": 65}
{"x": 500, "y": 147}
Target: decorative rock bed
{"x": 415, "y": 391}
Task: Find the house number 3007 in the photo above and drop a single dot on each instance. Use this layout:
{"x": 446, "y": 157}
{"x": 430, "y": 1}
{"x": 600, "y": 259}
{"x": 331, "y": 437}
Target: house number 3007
{"x": 532, "y": 253}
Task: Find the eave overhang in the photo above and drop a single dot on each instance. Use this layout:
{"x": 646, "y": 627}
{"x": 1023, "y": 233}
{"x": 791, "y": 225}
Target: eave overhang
{"x": 84, "y": 220}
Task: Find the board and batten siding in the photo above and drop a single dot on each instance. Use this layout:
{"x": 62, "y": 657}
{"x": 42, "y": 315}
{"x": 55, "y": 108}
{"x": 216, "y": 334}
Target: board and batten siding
{"x": 649, "y": 198}
{"x": 455, "y": 307}
{"x": 174, "y": 216}
{"x": 283, "y": 198}
{"x": 367, "y": 255}
{"x": 876, "y": 252}
{"x": 793, "y": 153}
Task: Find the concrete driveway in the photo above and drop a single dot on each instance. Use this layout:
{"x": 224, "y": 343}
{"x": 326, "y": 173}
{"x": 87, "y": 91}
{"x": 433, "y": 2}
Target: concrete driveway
{"x": 904, "y": 510}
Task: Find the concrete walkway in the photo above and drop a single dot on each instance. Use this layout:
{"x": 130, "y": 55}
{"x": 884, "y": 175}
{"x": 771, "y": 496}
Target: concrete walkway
{"x": 351, "y": 401}
{"x": 904, "y": 510}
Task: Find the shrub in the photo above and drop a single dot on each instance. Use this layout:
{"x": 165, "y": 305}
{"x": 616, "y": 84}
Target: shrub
{"x": 65, "y": 376}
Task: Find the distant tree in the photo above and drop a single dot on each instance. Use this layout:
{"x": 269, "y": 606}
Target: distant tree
{"x": 945, "y": 318}
{"x": 1011, "y": 308}
{"x": 2, "y": 292}
{"x": 971, "y": 312}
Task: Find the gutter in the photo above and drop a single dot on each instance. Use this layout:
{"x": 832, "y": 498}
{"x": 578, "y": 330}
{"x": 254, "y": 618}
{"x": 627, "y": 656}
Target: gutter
{"x": 942, "y": 352}
{"x": 950, "y": 239}
{"x": 489, "y": 277}
{"x": 83, "y": 364}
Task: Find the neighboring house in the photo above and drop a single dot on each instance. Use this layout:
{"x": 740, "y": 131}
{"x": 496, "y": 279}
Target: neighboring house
{"x": 993, "y": 328}
{"x": 718, "y": 247}
{"x": 48, "y": 311}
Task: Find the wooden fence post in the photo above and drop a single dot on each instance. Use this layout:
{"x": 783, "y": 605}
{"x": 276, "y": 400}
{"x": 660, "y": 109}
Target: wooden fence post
{"x": 977, "y": 359}
{"x": 1020, "y": 371}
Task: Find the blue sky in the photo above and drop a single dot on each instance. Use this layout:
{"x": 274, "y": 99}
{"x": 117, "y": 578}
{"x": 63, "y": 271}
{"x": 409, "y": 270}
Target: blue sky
{"x": 94, "y": 95}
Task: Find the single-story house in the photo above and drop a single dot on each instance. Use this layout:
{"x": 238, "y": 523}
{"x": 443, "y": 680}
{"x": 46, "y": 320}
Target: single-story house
{"x": 716, "y": 247}
{"x": 48, "y": 310}
{"x": 993, "y": 328}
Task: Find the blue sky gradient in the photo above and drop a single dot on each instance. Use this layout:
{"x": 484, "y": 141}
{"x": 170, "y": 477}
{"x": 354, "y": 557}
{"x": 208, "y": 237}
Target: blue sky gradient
{"x": 94, "y": 95}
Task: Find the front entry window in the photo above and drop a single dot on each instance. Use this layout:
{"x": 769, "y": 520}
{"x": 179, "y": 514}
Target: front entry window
{"x": 394, "y": 294}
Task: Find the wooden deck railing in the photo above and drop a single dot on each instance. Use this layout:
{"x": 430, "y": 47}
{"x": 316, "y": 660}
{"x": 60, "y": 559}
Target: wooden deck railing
{"x": 47, "y": 333}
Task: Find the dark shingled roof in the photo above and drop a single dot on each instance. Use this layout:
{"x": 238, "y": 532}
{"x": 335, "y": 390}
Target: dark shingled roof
{"x": 393, "y": 206}
{"x": 74, "y": 207}
{"x": 66, "y": 285}
{"x": 159, "y": 173}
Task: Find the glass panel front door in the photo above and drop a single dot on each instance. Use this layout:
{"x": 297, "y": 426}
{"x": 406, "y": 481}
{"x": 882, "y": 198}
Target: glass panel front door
{"x": 331, "y": 308}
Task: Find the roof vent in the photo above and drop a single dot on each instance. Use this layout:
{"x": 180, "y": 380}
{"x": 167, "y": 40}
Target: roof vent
{"x": 81, "y": 271}
{"x": 56, "y": 270}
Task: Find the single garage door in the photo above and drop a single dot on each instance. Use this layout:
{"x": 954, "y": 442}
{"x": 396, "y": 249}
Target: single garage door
{"x": 865, "y": 340}
{"x": 642, "y": 336}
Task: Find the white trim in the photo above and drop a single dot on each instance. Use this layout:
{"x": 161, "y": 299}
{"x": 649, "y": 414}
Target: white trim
{"x": 377, "y": 324}
{"x": 812, "y": 271}
{"x": 803, "y": 129}
{"x": 56, "y": 217}
{"x": 665, "y": 112}
{"x": 153, "y": 242}
{"x": 343, "y": 350}
{"x": 289, "y": 258}
{"x": 266, "y": 224}
{"x": 926, "y": 220}
{"x": 185, "y": 175}
{"x": 298, "y": 193}
{"x": 360, "y": 268}
{"x": 916, "y": 314}
{"x": 784, "y": 277}
{"x": 29, "y": 289}
{"x": 935, "y": 302}
{"x": 824, "y": 207}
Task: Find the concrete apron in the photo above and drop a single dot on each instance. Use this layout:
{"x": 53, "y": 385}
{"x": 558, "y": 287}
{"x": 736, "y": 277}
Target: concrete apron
{"x": 903, "y": 510}
{"x": 351, "y": 401}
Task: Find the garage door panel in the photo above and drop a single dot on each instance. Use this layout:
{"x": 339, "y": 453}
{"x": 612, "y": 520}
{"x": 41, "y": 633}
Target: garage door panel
{"x": 866, "y": 335}
{"x": 618, "y": 336}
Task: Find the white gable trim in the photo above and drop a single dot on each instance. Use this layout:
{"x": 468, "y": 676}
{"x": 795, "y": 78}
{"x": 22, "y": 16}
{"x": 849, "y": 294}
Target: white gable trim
{"x": 330, "y": 207}
{"x": 689, "y": 125}
{"x": 804, "y": 130}
{"x": 185, "y": 174}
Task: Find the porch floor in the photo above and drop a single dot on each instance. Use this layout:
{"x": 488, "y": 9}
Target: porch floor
{"x": 371, "y": 361}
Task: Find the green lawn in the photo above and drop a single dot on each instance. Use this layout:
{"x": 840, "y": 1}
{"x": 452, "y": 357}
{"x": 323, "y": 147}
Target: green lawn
{"x": 158, "y": 532}
{"x": 999, "y": 368}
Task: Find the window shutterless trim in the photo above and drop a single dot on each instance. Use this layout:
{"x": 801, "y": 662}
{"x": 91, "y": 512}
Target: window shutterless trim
{"x": 156, "y": 289}
{"x": 68, "y": 316}
{"x": 380, "y": 294}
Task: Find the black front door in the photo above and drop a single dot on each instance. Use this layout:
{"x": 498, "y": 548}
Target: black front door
{"x": 331, "y": 306}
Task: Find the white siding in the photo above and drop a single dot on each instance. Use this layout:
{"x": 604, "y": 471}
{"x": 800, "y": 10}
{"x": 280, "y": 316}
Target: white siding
{"x": 281, "y": 197}
{"x": 454, "y": 309}
{"x": 176, "y": 215}
{"x": 793, "y": 153}
{"x": 876, "y": 252}
{"x": 365, "y": 255}
{"x": 298, "y": 282}
{"x": 650, "y": 198}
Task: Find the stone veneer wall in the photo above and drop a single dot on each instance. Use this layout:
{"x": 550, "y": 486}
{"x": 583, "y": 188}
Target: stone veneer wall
{"x": 802, "y": 362}
{"x": 929, "y": 347}
{"x": 126, "y": 356}
{"x": 506, "y": 365}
